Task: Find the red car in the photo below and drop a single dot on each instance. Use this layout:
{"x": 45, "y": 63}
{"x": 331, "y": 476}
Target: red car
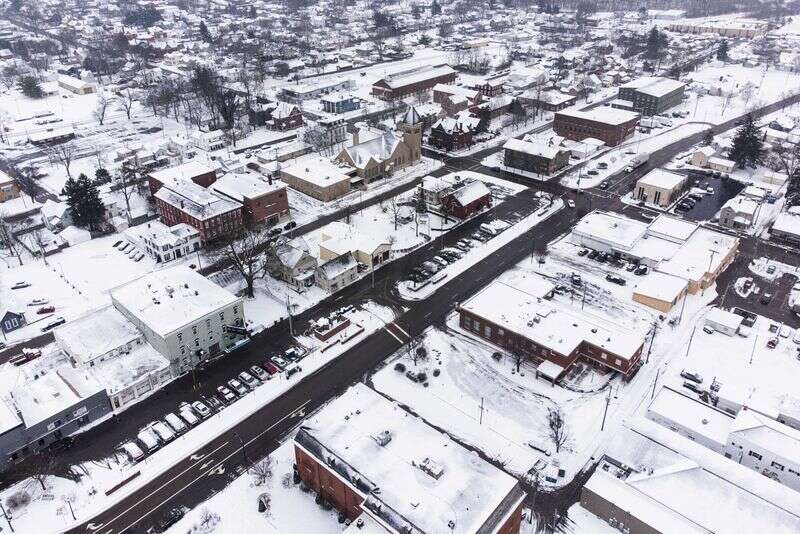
{"x": 271, "y": 368}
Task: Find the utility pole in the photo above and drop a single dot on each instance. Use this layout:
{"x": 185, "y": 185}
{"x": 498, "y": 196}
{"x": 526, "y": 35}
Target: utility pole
{"x": 710, "y": 261}
{"x": 605, "y": 410}
{"x": 689, "y": 346}
{"x": 289, "y": 311}
{"x": 652, "y": 338}
{"x": 653, "y": 394}
{"x": 480, "y": 421}
{"x": 752, "y": 352}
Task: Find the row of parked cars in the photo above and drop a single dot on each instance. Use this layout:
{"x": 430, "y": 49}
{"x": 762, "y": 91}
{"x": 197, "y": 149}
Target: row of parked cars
{"x": 159, "y": 433}
{"x": 129, "y": 249}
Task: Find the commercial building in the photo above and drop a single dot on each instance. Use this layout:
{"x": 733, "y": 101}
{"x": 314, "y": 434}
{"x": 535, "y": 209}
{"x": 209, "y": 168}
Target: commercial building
{"x": 164, "y": 243}
{"x": 263, "y": 201}
{"x": 651, "y": 480}
{"x": 387, "y": 471}
{"x": 741, "y": 28}
{"x": 539, "y": 158}
{"x": 301, "y": 92}
{"x": 183, "y": 315}
{"x": 786, "y": 227}
{"x": 211, "y": 215}
{"x": 660, "y": 291}
{"x": 411, "y": 82}
{"x": 202, "y": 173}
{"x": 547, "y": 100}
{"x": 660, "y": 187}
{"x": 652, "y": 95}
{"x": 612, "y": 126}
{"x": 529, "y": 323}
{"x": 340, "y": 103}
{"x": 76, "y": 85}
{"x": 8, "y": 187}
{"x": 318, "y": 177}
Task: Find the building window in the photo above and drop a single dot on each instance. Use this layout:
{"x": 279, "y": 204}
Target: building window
{"x": 776, "y": 465}
{"x": 487, "y": 331}
{"x": 754, "y": 455}
{"x": 194, "y": 330}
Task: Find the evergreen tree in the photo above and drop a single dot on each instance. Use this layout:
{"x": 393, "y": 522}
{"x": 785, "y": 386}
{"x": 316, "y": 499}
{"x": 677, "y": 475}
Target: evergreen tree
{"x": 748, "y": 146}
{"x": 722, "y": 51}
{"x": 436, "y": 9}
{"x": 92, "y": 207}
{"x": 656, "y": 42}
{"x": 205, "y": 35}
{"x": 30, "y": 87}
{"x": 708, "y": 139}
{"x": 101, "y": 176}
{"x": 73, "y": 194}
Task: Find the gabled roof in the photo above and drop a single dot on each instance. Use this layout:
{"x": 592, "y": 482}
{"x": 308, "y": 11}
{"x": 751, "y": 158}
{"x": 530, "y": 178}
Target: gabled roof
{"x": 381, "y": 148}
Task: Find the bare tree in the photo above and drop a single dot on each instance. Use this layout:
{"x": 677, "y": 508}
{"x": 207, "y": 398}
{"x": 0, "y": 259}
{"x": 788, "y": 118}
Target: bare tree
{"x": 786, "y": 158}
{"x": 103, "y": 103}
{"x": 261, "y": 471}
{"x": 126, "y": 180}
{"x": 557, "y": 428}
{"x": 518, "y": 359}
{"x": 26, "y": 178}
{"x": 395, "y": 208}
{"x": 62, "y": 153}
{"x": 125, "y": 102}
{"x": 7, "y": 237}
{"x": 245, "y": 251}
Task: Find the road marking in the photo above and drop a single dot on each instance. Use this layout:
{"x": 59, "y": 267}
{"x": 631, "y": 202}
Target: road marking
{"x": 401, "y": 330}
{"x": 196, "y": 457}
{"x": 93, "y": 526}
{"x": 299, "y": 409}
{"x": 219, "y": 470}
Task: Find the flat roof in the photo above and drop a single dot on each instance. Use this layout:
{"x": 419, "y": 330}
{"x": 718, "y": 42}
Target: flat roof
{"x": 612, "y": 229}
{"x": 318, "y": 171}
{"x": 241, "y": 186}
{"x": 662, "y": 179}
{"x": 605, "y": 115}
{"x": 169, "y": 299}
{"x": 702, "y": 253}
{"x": 535, "y": 149}
{"x": 95, "y": 334}
{"x": 768, "y": 434}
{"x": 425, "y": 479}
{"x": 185, "y": 171}
{"x": 692, "y": 414}
{"x": 654, "y": 85}
{"x": 660, "y": 286}
{"x": 672, "y": 228}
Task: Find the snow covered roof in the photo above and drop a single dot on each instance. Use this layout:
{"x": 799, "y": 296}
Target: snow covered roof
{"x": 663, "y": 179}
{"x": 703, "y": 253}
{"x": 341, "y": 238}
{"x": 411, "y": 116}
{"x": 698, "y": 417}
{"x": 420, "y": 75}
{"x": 241, "y": 186}
{"x": 42, "y": 395}
{"x": 160, "y": 234}
{"x": 654, "y": 85}
{"x": 724, "y": 318}
{"x": 470, "y": 192}
{"x": 456, "y": 90}
{"x": 168, "y": 299}
{"x": 660, "y": 286}
{"x": 524, "y": 310}
{"x": 185, "y": 171}
{"x": 606, "y": 115}
{"x": 412, "y": 475}
{"x": 614, "y": 230}
{"x": 318, "y": 171}
{"x": 671, "y": 228}
{"x": 788, "y": 223}
{"x": 130, "y": 367}
{"x": 740, "y": 204}
{"x": 767, "y": 434}
{"x": 95, "y": 334}
{"x": 195, "y": 200}
{"x": 676, "y": 485}
{"x": 342, "y": 263}
{"x": 8, "y": 417}
{"x": 535, "y": 149}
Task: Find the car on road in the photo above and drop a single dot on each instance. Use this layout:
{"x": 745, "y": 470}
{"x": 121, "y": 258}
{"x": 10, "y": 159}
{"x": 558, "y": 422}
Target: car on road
{"x": 21, "y": 285}
{"x": 289, "y": 225}
{"x": 766, "y": 298}
{"x": 772, "y": 342}
{"x": 271, "y": 368}
{"x": 693, "y": 387}
{"x": 583, "y": 252}
{"x": 225, "y": 394}
{"x": 613, "y": 278}
{"x": 604, "y": 185}
{"x": 237, "y": 386}
{"x": 571, "y": 203}
{"x": 249, "y": 380}
{"x": 259, "y": 373}
{"x": 279, "y": 362}
{"x": 694, "y": 377}
{"x": 202, "y": 410}
{"x": 710, "y": 190}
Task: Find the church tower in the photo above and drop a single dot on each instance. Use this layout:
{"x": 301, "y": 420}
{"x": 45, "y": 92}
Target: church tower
{"x": 411, "y": 126}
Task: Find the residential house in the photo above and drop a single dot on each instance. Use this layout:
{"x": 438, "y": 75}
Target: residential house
{"x": 285, "y": 117}
{"x": 164, "y": 243}
{"x": 533, "y": 157}
{"x": 211, "y": 215}
{"x": 9, "y": 188}
{"x": 11, "y": 320}
{"x": 738, "y": 213}
{"x": 336, "y": 273}
{"x": 452, "y": 134}
{"x": 292, "y": 262}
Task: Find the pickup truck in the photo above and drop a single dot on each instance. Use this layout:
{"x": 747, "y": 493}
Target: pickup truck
{"x": 638, "y": 160}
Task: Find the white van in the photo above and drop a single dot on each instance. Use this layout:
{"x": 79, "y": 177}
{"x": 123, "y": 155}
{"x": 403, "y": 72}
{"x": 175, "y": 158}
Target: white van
{"x": 188, "y": 415}
{"x": 132, "y": 451}
{"x": 175, "y": 423}
{"x": 148, "y": 440}
{"x": 164, "y": 433}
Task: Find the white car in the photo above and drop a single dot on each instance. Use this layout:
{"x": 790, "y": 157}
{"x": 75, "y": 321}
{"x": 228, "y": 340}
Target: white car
{"x": 571, "y": 203}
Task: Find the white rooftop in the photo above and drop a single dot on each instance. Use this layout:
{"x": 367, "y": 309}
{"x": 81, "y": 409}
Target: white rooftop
{"x": 95, "y": 334}
{"x": 702, "y": 253}
{"x": 654, "y": 85}
{"x": 692, "y": 414}
{"x": 169, "y": 299}
{"x": 195, "y": 200}
{"x": 660, "y": 286}
{"x": 185, "y": 171}
{"x": 662, "y": 179}
{"x": 241, "y": 186}
{"x": 614, "y": 230}
{"x": 767, "y": 434}
{"x": 318, "y": 171}
{"x": 606, "y": 115}
{"x": 672, "y": 228}
{"x": 535, "y": 149}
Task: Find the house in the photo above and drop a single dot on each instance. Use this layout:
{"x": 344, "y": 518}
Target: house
{"x": 701, "y": 156}
{"x": 340, "y": 103}
{"x": 452, "y": 134}
{"x": 366, "y": 455}
{"x": 553, "y": 336}
{"x": 292, "y": 262}
{"x": 336, "y": 273}
{"x": 738, "y": 212}
{"x": 547, "y": 100}
{"x": 9, "y": 188}
{"x": 202, "y": 173}
{"x": 76, "y": 85}
{"x": 411, "y": 82}
{"x": 786, "y": 227}
{"x": 612, "y": 126}
{"x": 652, "y": 95}
{"x": 164, "y": 243}
{"x": 285, "y": 117}
{"x": 208, "y": 141}
{"x": 490, "y": 87}
{"x": 465, "y": 201}
{"x": 721, "y": 164}
{"x": 211, "y": 215}
{"x": 263, "y": 201}
{"x": 339, "y": 239}
{"x": 11, "y": 320}
{"x": 660, "y": 187}
{"x": 380, "y": 157}
{"x": 186, "y": 317}
{"x": 634, "y": 488}
{"x": 318, "y": 177}
{"x": 443, "y": 93}
{"x": 539, "y": 158}
{"x": 723, "y": 321}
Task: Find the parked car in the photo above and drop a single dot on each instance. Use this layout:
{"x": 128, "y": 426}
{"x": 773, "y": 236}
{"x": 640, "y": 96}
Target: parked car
{"x": 271, "y": 368}
{"x": 290, "y": 225}
{"x": 249, "y": 379}
{"x": 431, "y": 266}
{"x": 708, "y": 330}
{"x": 162, "y": 432}
{"x": 604, "y": 185}
{"x": 237, "y": 386}
{"x": 641, "y": 270}
{"x": 187, "y": 414}
{"x": 279, "y": 362}
{"x": 117, "y": 243}
{"x": 772, "y": 342}
{"x": 132, "y": 451}
{"x": 694, "y": 377}
{"x": 20, "y": 285}
{"x": 225, "y": 394}
{"x": 54, "y": 323}
{"x": 214, "y": 403}
{"x": 766, "y": 298}
{"x": 479, "y": 237}
{"x": 175, "y": 423}
{"x": 202, "y": 410}
{"x": 613, "y": 278}
{"x": 292, "y": 369}
{"x": 259, "y": 373}
{"x": 593, "y": 254}
{"x": 771, "y": 269}
{"x": 148, "y": 440}
{"x": 440, "y": 261}
{"x": 45, "y": 309}
{"x": 583, "y": 252}
{"x": 693, "y": 387}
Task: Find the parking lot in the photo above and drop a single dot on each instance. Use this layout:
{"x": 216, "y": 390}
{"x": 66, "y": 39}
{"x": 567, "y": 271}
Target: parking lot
{"x": 709, "y": 204}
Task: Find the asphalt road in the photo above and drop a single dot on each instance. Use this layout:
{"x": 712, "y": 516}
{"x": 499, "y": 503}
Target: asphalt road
{"x": 191, "y": 480}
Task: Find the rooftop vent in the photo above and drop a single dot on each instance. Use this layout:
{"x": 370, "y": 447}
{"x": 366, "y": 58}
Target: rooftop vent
{"x": 432, "y": 468}
{"x": 383, "y": 438}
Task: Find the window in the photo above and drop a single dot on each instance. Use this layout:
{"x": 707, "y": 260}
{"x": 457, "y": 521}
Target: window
{"x": 180, "y": 337}
{"x": 754, "y": 455}
{"x": 776, "y": 465}
{"x": 236, "y": 310}
{"x": 183, "y": 349}
{"x": 487, "y": 331}
{"x": 194, "y": 330}
{"x": 222, "y": 317}
{"x": 196, "y": 342}
{"x": 618, "y": 361}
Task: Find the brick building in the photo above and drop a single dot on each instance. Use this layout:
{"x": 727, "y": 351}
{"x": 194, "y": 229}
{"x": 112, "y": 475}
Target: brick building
{"x": 652, "y": 95}
{"x": 612, "y": 126}
{"x": 186, "y": 202}
{"x": 538, "y": 158}
{"x": 453, "y": 133}
{"x": 529, "y": 323}
{"x": 465, "y": 201}
{"x": 285, "y": 117}
{"x": 491, "y": 87}
{"x": 412, "y": 82}
{"x": 386, "y": 470}
{"x": 8, "y": 187}
{"x": 202, "y": 173}
{"x": 262, "y": 200}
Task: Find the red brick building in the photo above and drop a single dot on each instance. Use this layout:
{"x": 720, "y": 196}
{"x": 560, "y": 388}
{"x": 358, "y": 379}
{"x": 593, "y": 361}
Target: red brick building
{"x": 453, "y": 133}
{"x": 412, "y": 82}
{"x": 202, "y": 173}
{"x": 610, "y": 125}
{"x": 491, "y": 87}
{"x": 285, "y": 117}
{"x": 467, "y": 200}
{"x": 528, "y": 323}
{"x": 187, "y": 202}
{"x": 262, "y": 200}
{"x": 387, "y": 470}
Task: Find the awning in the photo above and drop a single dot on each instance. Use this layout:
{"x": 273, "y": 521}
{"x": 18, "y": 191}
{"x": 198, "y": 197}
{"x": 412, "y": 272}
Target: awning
{"x": 549, "y": 370}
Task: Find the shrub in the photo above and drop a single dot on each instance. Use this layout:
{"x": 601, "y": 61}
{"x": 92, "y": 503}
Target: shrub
{"x": 436, "y": 372}
{"x": 17, "y": 500}
{"x": 399, "y": 367}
